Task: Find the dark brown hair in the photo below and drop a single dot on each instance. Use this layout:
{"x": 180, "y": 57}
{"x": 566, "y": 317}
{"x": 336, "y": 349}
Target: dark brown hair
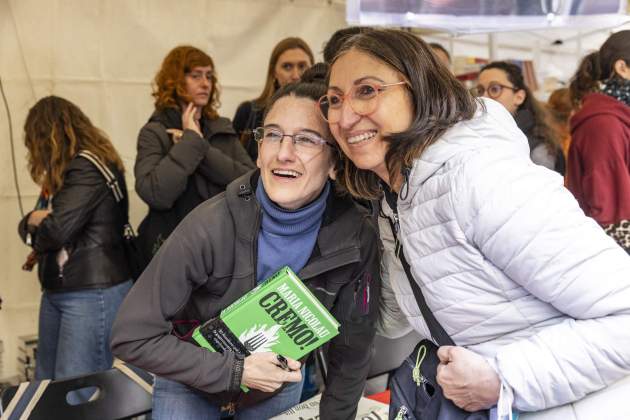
{"x": 542, "y": 128}
{"x": 271, "y": 84}
{"x": 439, "y": 101}
{"x": 54, "y": 132}
{"x": 169, "y": 85}
{"x": 600, "y": 65}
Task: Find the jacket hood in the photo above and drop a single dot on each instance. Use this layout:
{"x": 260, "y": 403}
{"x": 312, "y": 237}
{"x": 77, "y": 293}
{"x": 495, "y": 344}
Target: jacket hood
{"x": 492, "y": 126}
{"x": 595, "y": 104}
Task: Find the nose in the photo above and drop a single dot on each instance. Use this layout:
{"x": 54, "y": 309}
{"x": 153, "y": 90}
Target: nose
{"x": 206, "y": 82}
{"x": 286, "y": 150}
{"x": 295, "y": 74}
{"x": 348, "y": 117}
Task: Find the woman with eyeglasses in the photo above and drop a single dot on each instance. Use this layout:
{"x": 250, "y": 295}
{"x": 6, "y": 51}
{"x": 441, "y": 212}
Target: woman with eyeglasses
{"x": 533, "y": 294}
{"x": 187, "y": 153}
{"x": 503, "y": 82}
{"x": 289, "y": 59}
{"x": 599, "y": 156}
{"x": 288, "y": 212}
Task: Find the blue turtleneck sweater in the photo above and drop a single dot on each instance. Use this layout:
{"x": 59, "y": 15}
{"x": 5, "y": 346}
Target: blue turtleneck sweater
{"x": 287, "y": 237}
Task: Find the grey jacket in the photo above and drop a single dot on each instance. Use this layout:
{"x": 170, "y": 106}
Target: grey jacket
{"x": 174, "y": 178}
{"x": 210, "y": 260}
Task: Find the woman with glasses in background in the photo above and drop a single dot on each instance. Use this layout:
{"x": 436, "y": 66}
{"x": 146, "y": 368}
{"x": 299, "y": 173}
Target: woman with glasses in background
{"x": 533, "y": 294}
{"x": 187, "y": 153}
{"x": 288, "y": 212}
{"x": 503, "y": 82}
{"x": 289, "y": 59}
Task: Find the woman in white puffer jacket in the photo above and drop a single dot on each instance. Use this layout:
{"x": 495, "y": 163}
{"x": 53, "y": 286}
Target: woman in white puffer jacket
{"x": 535, "y": 295}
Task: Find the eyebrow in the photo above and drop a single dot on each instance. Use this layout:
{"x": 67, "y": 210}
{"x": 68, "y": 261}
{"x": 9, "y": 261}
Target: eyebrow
{"x": 361, "y": 80}
{"x": 299, "y": 130}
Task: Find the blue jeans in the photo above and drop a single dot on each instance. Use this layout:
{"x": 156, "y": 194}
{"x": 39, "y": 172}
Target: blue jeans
{"x": 74, "y": 331}
{"x": 175, "y": 401}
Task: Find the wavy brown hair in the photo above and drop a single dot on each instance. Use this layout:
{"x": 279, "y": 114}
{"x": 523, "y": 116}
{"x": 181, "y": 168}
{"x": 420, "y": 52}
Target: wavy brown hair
{"x": 169, "y": 85}
{"x": 599, "y": 66}
{"x": 54, "y": 132}
{"x": 439, "y": 101}
{"x": 271, "y": 84}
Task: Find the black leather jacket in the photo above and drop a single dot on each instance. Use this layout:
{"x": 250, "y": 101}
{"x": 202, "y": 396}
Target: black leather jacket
{"x": 210, "y": 260}
{"x": 87, "y": 222}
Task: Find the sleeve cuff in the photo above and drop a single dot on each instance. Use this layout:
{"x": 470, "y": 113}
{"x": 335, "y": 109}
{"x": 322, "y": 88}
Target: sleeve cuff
{"x": 237, "y": 373}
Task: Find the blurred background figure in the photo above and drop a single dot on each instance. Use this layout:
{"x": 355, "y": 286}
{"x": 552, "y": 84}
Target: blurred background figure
{"x": 560, "y": 108}
{"x": 599, "y": 156}
{"x": 77, "y": 238}
{"x": 503, "y": 82}
{"x": 187, "y": 153}
{"x": 289, "y": 60}
{"x": 441, "y": 53}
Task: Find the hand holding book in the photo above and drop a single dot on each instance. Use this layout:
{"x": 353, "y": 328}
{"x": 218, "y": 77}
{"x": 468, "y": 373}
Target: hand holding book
{"x": 262, "y": 371}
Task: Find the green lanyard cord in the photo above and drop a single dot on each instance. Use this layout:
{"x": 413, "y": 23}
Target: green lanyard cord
{"x": 415, "y": 373}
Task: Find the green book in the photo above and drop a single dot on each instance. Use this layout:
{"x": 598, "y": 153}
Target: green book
{"x": 280, "y": 315}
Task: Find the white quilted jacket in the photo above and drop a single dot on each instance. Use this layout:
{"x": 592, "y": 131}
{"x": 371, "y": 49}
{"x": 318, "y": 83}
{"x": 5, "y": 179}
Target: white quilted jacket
{"x": 513, "y": 270}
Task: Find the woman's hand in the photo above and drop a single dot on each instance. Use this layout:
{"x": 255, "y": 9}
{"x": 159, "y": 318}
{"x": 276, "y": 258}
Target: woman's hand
{"x": 190, "y": 118}
{"x": 262, "y": 371}
{"x": 467, "y": 379}
{"x": 36, "y": 217}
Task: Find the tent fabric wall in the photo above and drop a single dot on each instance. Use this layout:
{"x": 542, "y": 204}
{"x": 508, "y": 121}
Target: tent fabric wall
{"x": 102, "y": 55}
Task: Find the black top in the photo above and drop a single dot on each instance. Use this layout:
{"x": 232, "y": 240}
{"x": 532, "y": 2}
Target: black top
{"x": 87, "y": 222}
{"x": 248, "y": 116}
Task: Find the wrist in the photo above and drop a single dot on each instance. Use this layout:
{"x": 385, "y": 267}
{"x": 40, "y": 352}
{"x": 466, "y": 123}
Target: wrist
{"x": 237, "y": 373}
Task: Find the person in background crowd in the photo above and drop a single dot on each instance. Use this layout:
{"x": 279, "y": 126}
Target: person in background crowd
{"x": 338, "y": 38}
{"x": 78, "y": 240}
{"x": 441, "y": 53}
{"x": 187, "y": 153}
{"x": 503, "y": 82}
{"x": 560, "y": 109}
{"x": 533, "y": 293}
{"x": 289, "y": 59}
{"x": 599, "y": 156}
{"x": 288, "y": 212}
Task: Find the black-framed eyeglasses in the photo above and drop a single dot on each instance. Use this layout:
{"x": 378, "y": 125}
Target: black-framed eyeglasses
{"x": 305, "y": 142}
{"x": 494, "y": 90}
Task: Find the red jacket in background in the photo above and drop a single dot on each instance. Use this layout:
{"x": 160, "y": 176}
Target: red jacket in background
{"x": 599, "y": 158}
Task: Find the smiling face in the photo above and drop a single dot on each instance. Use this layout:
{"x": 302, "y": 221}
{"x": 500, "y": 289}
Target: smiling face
{"x": 198, "y": 84}
{"x": 291, "y": 65}
{"x": 293, "y": 179}
{"x": 360, "y": 137}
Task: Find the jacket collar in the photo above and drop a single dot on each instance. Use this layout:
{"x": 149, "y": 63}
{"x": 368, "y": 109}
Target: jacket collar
{"x": 492, "y": 126}
{"x": 172, "y": 118}
{"x": 338, "y": 240}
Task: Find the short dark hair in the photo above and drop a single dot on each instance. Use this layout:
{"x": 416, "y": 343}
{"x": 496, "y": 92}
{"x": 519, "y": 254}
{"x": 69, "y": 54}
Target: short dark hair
{"x": 437, "y": 46}
{"x": 439, "y": 101}
{"x": 542, "y": 130}
{"x": 338, "y": 38}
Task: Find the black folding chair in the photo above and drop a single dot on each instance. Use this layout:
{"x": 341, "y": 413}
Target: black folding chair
{"x": 122, "y": 393}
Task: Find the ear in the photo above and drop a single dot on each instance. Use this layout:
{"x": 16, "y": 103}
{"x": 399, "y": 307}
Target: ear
{"x": 519, "y": 97}
{"x": 622, "y": 69}
{"x": 258, "y": 161}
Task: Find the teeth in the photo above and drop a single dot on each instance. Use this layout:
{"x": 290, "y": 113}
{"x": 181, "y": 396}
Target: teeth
{"x": 361, "y": 137}
{"x": 286, "y": 172}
